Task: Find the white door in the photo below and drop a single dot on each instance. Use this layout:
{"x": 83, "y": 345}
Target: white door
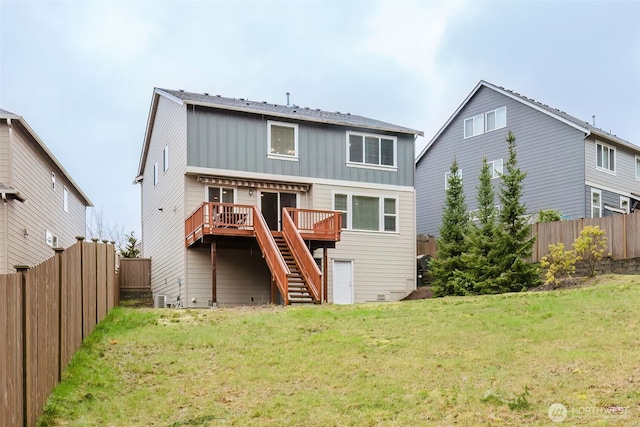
{"x": 342, "y": 282}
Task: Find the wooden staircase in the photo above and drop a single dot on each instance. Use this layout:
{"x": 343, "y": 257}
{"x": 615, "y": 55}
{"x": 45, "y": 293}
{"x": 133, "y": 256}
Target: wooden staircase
{"x": 299, "y": 292}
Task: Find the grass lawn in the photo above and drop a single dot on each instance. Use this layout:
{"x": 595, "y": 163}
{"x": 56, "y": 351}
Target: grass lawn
{"x": 490, "y": 360}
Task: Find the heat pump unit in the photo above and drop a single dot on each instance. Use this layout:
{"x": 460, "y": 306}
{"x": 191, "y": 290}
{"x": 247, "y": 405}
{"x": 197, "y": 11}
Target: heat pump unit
{"x": 160, "y": 301}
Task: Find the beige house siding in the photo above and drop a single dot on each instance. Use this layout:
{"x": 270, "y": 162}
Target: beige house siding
{"x": 28, "y": 222}
{"x": 163, "y": 206}
{"x": 624, "y": 178}
{"x": 5, "y": 174}
{"x": 5, "y": 179}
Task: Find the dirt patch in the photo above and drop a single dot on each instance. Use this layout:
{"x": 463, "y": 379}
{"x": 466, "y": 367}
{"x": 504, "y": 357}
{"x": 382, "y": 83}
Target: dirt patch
{"x": 422, "y": 292}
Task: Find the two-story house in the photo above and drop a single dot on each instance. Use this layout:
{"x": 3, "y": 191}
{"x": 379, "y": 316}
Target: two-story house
{"x": 41, "y": 206}
{"x": 572, "y": 166}
{"x": 247, "y": 202}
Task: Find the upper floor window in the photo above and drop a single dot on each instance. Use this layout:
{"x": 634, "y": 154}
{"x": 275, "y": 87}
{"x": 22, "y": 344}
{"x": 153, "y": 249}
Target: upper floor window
{"x": 596, "y": 203}
{"x": 605, "y": 157}
{"x": 65, "y": 199}
{"x": 496, "y": 168}
{"x": 165, "y": 158}
{"x": 373, "y": 150}
{"x": 447, "y": 176}
{"x": 367, "y": 213}
{"x": 53, "y": 180}
{"x": 474, "y": 126}
{"x": 496, "y": 119}
{"x": 155, "y": 173}
{"x": 282, "y": 140}
{"x": 637, "y": 167}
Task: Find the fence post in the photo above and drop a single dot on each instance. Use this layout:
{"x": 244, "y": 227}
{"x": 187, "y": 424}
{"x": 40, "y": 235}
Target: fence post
{"x": 26, "y": 335}
{"x": 80, "y": 240}
{"x": 58, "y": 257}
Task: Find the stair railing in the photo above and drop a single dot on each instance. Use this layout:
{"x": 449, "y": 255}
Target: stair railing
{"x": 271, "y": 254}
{"x": 308, "y": 267}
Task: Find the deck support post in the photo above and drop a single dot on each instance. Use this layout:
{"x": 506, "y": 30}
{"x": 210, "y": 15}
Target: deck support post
{"x": 325, "y": 274}
{"x": 214, "y": 297}
{"x": 274, "y": 293}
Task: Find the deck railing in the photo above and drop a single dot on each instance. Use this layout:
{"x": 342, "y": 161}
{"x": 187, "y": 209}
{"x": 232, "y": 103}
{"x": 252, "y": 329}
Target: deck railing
{"x": 316, "y": 224}
{"x": 272, "y": 254}
{"x": 302, "y": 255}
{"x": 225, "y": 218}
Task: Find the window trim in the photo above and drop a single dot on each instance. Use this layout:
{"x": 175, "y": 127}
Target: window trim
{"x": 155, "y": 174}
{"x": 235, "y": 192}
{"x": 477, "y": 116}
{"x": 348, "y": 224}
{"x": 628, "y": 201}
{"x": 615, "y": 158}
{"x": 599, "y": 207}
{"x": 364, "y": 164}
{"x": 165, "y": 158}
{"x": 637, "y": 166}
{"x": 65, "y": 199}
{"x": 495, "y": 175}
{"x": 486, "y": 115}
{"x": 447, "y": 175}
{"x": 294, "y": 126}
{"x": 51, "y": 239}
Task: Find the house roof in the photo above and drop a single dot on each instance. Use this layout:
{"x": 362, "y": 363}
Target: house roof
{"x": 262, "y": 107}
{"x": 550, "y": 111}
{"x": 9, "y": 116}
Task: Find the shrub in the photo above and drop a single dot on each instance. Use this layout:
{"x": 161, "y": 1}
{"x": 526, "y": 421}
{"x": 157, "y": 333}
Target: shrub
{"x": 560, "y": 264}
{"x": 549, "y": 215}
{"x": 590, "y": 247}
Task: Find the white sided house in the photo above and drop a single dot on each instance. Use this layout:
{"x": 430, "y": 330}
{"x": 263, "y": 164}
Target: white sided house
{"x": 247, "y": 202}
{"x": 41, "y": 207}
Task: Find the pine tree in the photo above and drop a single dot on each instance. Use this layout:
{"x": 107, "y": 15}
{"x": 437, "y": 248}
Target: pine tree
{"x": 514, "y": 242}
{"x": 480, "y": 261}
{"x": 130, "y": 250}
{"x": 451, "y": 243}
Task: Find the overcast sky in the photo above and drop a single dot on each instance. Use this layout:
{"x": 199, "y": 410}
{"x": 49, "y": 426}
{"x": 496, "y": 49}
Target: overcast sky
{"x": 82, "y": 73}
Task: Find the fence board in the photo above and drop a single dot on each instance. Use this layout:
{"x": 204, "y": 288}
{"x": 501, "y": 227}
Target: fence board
{"x": 632, "y": 233}
{"x": 112, "y": 284}
{"x": 101, "y": 281}
{"x": 11, "y": 351}
{"x": 89, "y": 286}
{"x": 135, "y": 273}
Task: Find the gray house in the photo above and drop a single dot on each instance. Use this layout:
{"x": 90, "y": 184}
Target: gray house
{"x": 247, "y": 202}
{"x": 41, "y": 207}
{"x": 571, "y": 166}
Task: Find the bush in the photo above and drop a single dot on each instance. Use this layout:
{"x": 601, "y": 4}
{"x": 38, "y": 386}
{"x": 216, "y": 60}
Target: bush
{"x": 560, "y": 264}
{"x": 590, "y": 247}
{"x": 549, "y": 215}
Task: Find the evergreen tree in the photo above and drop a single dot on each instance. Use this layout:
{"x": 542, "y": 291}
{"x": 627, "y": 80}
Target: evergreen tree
{"x": 514, "y": 242}
{"x": 480, "y": 262}
{"x": 451, "y": 243}
{"x": 130, "y": 250}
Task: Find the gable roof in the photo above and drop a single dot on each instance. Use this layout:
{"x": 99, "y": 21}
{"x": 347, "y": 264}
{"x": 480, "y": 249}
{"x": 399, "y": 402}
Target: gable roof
{"x": 550, "y": 111}
{"x": 262, "y": 107}
{"x": 9, "y": 116}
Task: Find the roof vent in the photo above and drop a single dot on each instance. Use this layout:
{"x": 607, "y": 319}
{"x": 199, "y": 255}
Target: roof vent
{"x": 288, "y": 105}
{"x": 241, "y": 99}
{"x": 206, "y": 93}
{"x": 181, "y": 90}
{"x": 218, "y": 96}
{"x": 594, "y": 119}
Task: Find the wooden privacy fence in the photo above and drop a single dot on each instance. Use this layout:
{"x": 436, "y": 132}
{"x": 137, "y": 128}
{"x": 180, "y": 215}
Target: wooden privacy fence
{"x": 45, "y": 314}
{"x": 134, "y": 275}
{"x": 622, "y": 232}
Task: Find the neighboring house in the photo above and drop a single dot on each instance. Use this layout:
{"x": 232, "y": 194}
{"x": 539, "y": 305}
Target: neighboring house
{"x": 41, "y": 206}
{"x": 571, "y": 166}
{"x": 243, "y": 201}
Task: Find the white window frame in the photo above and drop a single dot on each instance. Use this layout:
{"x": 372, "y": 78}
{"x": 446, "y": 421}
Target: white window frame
{"x": 155, "y": 173}
{"x": 446, "y": 178}
{"x": 495, "y": 115}
{"x": 50, "y": 239}
{"x": 478, "y": 118}
{"x": 280, "y": 156}
{"x": 493, "y": 167}
{"x": 638, "y": 167}
{"x": 165, "y": 158}
{"x": 607, "y": 169}
{"x": 625, "y": 201}
{"x": 348, "y": 224}
{"x": 599, "y": 206}
{"x": 65, "y": 199}
{"x": 363, "y": 163}
{"x": 222, "y": 189}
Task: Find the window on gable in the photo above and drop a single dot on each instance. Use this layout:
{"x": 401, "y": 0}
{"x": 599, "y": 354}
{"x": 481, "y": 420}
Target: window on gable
{"x": 282, "y": 139}
{"x": 155, "y": 173}
{"x": 495, "y": 167}
{"x": 165, "y": 159}
{"x": 625, "y": 203}
{"x": 596, "y": 203}
{"x": 474, "y": 126}
{"x": 368, "y": 213}
{"x": 374, "y": 150}
{"x": 637, "y": 167}
{"x": 496, "y": 119}
{"x": 605, "y": 157}
{"x": 53, "y": 180}
{"x": 65, "y": 199}
{"x": 447, "y": 176}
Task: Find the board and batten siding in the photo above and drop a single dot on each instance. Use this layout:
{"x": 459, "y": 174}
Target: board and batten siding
{"x": 623, "y": 181}
{"x": 27, "y": 223}
{"x": 163, "y": 205}
{"x": 238, "y": 141}
{"x": 549, "y": 151}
